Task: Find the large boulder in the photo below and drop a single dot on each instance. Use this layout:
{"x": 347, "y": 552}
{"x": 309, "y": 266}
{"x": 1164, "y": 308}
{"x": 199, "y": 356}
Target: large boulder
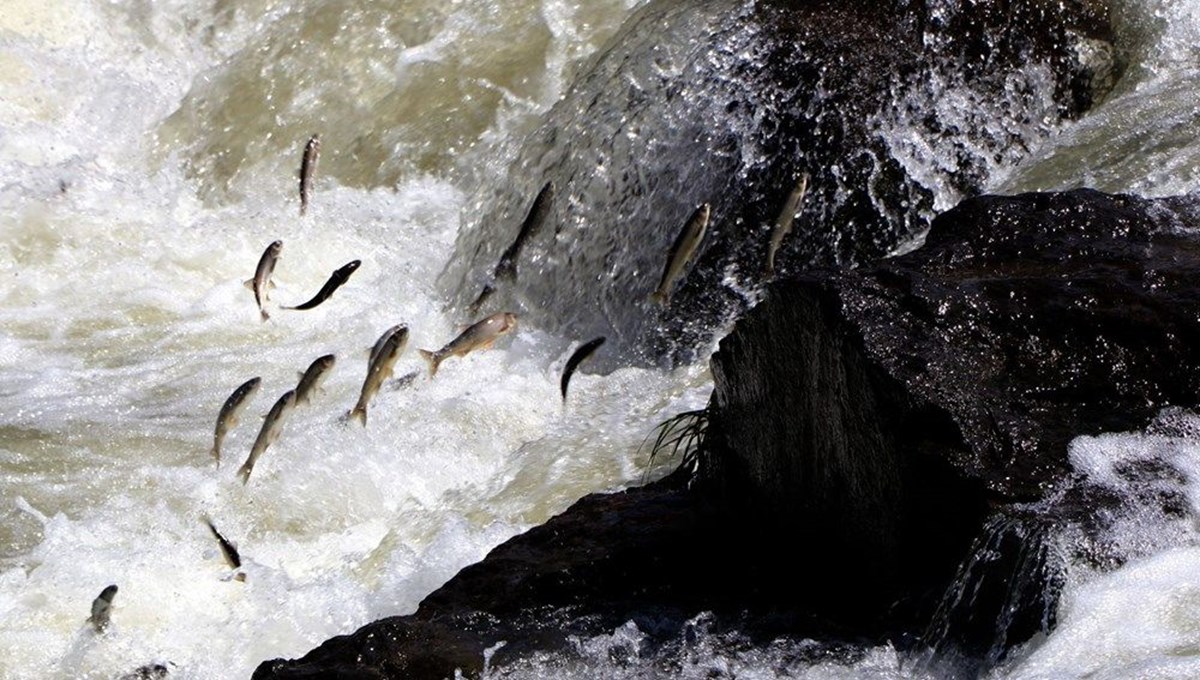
{"x": 893, "y": 109}
{"x": 902, "y": 428}
{"x": 877, "y": 409}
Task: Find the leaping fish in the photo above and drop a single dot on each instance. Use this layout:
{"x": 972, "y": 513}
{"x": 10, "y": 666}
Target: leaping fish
{"x": 783, "y": 225}
{"x": 585, "y": 350}
{"x": 681, "y": 253}
{"x": 271, "y": 427}
{"x": 312, "y": 378}
{"x": 336, "y": 279}
{"x": 507, "y": 267}
{"x": 480, "y": 335}
{"x": 228, "y": 417}
{"x": 102, "y": 609}
{"x": 262, "y": 275}
{"x": 228, "y": 550}
{"x": 308, "y": 168}
{"x": 387, "y": 349}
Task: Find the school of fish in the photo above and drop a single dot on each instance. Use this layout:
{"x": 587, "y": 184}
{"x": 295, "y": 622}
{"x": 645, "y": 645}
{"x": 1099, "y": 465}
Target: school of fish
{"x": 382, "y": 356}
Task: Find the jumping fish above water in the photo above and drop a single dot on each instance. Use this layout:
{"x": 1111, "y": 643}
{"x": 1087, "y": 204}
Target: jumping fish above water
{"x": 585, "y": 350}
{"x": 228, "y": 417}
{"x": 387, "y": 349}
{"x": 336, "y": 279}
{"x": 102, "y": 609}
{"x": 228, "y": 550}
{"x": 262, "y": 275}
{"x": 783, "y": 224}
{"x": 481, "y": 335}
{"x": 383, "y": 340}
{"x": 271, "y": 427}
{"x": 312, "y": 378}
{"x": 681, "y": 253}
{"x": 507, "y": 267}
{"x": 308, "y": 168}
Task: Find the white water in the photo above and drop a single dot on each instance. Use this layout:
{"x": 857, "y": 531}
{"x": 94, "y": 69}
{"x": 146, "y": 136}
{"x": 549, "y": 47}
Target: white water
{"x": 148, "y": 154}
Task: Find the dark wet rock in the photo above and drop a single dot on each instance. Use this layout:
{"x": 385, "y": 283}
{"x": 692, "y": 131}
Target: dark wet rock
{"x": 873, "y": 407}
{"x": 893, "y": 108}
{"x": 885, "y": 457}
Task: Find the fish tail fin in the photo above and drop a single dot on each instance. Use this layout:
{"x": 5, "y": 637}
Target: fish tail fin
{"x": 661, "y": 298}
{"x": 216, "y": 454}
{"x": 244, "y": 473}
{"x": 265, "y": 316}
{"x": 359, "y": 413}
{"x": 433, "y": 359}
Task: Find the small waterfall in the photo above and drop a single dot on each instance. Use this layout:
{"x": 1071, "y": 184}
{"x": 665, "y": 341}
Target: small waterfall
{"x": 1005, "y": 592}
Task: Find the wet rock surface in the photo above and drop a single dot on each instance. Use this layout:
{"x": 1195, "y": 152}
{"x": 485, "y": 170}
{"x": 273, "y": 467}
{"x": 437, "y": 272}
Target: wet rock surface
{"x": 889, "y": 107}
{"x": 903, "y": 429}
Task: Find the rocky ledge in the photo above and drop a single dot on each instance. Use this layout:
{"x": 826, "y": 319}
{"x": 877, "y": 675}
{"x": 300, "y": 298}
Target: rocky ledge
{"x": 880, "y": 422}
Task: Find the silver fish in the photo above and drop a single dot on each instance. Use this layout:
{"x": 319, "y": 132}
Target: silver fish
{"x": 271, "y": 427}
{"x": 102, "y": 609}
{"x": 783, "y": 225}
{"x": 308, "y": 168}
{"x": 383, "y": 360}
{"x": 507, "y": 267}
{"x": 480, "y": 335}
{"x": 228, "y": 550}
{"x": 685, "y": 246}
{"x": 228, "y": 417}
{"x": 312, "y": 378}
{"x": 262, "y": 275}
{"x": 585, "y": 350}
{"x": 383, "y": 340}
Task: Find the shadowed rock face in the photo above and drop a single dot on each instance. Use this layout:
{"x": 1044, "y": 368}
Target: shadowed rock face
{"x": 890, "y": 107}
{"x": 890, "y": 424}
{"x": 870, "y": 409}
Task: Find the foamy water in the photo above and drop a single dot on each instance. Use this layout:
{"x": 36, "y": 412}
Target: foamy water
{"x": 148, "y": 155}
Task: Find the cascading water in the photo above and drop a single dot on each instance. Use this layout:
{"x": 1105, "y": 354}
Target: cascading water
{"x": 148, "y": 154}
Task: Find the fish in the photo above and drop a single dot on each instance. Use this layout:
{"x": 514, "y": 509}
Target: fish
{"x": 507, "y": 267}
{"x": 336, "y": 279}
{"x": 228, "y": 550}
{"x": 480, "y": 335}
{"x": 486, "y": 293}
{"x": 382, "y": 341}
{"x": 387, "y": 349}
{"x": 262, "y": 275}
{"x": 311, "y": 379}
{"x": 681, "y": 252}
{"x": 155, "y": 671}
{"x": 585, "y": 350}
{"x": 308, "y": 168}
{"x": 102, "y": 609}
{"x": 228, "y": 417}
{"x": 271, "y": 427}
{"x": 783, "y": 224}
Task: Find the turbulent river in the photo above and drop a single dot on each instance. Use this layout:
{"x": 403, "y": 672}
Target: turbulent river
{"x": 148, "y": 154}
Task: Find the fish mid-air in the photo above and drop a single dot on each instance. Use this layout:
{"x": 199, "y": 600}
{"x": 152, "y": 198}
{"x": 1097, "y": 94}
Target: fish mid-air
{"x": 271, "y": 427}
{"x": 311, "y": 379}
{"x": 308, "y": 168}
{"x": 384, "y": 354}
{"x": 507, "y": 267}
{"x": 228, "y": 417}
{"x": 336, "y": 279}
{"x": 681, "y": 253}
{"x": 783, "y": 225}
{"x": 480, "y": 335}
{"x": 262, "y": 275}
{"x": 228, "y": 550}
{"x": 102, "y": 609}
{"x": 585, "y": 350}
